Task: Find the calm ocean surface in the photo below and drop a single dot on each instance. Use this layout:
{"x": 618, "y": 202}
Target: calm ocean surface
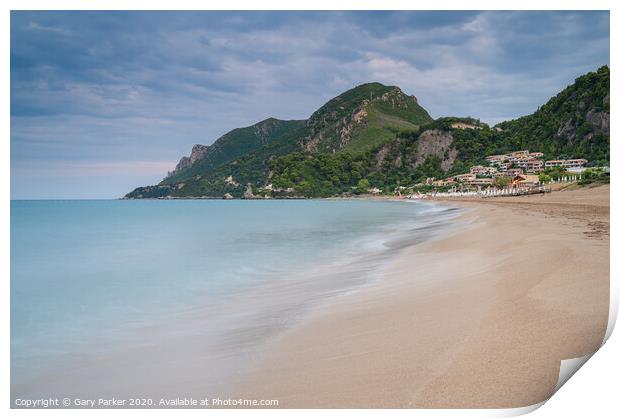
{"x": 97, "y": 283}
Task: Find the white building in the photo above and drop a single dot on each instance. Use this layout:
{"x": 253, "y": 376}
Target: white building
{"x": 566, "y": 163}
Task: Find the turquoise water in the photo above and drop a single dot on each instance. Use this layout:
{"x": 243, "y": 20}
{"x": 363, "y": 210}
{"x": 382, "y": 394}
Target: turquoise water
{"x": 96, "y": 279}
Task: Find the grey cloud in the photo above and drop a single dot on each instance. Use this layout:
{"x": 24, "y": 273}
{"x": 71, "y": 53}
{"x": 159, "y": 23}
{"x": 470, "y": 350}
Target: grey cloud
{"x": 87, "y": 86}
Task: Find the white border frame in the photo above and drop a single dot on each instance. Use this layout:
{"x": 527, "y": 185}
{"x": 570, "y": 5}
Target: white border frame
{"x": 592, "y": 392}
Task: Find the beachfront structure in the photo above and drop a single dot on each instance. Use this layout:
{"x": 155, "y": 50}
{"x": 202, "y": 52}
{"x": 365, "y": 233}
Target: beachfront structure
{"x": 521, "y": 166}
{"x": 575, "y": 163}
{"x": 566, "y": 163}
{"x": 554, "y": 163}
{"x": 521, "y": 181}
{"x": 483, "y": 170}
{"x": 444, "y": 182}
{"x": 496, "y": 159}
{"x": 465, "y": 177}
{"x": 502, "y": 167}
{"x": 531, "y": 162}
{"x": 532, "y": 165}
{"x": 514, "y": 172}
{"x": 481, "y": 182}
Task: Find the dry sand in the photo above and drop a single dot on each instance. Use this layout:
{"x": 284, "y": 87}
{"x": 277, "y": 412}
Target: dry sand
{"x": 477, "y": 319}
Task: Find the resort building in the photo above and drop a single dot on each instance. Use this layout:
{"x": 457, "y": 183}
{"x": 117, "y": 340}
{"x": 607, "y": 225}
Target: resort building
{"x": 532, "y": 166}
{"x": 521, "y": 166}
{"x": 514, "y": 172}
{"x": 554, "y": 163}
{"x": 566, "y": 163}
{"x": 521, "y": 181}
{"x": 520, "y": 153}
{"x": 575, "y": 163}
{"x": 521, "y": 158}
{"x": 463, "y": 125}
{"x": 444, "y": 182}
{"x": 502, "y": 167}
{"x": 481, "y": 182}
{"x": 465, "y": 177}
{"x": 496, "y": 159}
{"x": 482, "y": 170}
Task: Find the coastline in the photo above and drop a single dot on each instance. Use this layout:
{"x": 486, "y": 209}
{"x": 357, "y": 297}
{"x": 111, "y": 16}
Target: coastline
{"x": 199, "y": 348}
{"x": 479, "y": 318}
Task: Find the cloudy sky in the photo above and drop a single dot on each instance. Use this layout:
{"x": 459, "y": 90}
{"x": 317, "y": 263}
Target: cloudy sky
{"x": 102, "y": 102}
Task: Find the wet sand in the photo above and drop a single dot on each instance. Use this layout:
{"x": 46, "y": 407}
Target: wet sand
{"x": 480, "y": 318}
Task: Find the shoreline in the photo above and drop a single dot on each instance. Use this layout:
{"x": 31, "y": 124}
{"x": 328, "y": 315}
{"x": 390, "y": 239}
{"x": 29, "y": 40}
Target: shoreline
{"x": 217, "y": 340}
{"x": 473, "y": 319}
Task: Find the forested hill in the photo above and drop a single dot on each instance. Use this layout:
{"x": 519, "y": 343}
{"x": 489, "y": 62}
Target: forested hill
{"x": 376, "y": 136}
{"x": 236, "y": 143}
{"x": 355, "y": 121}
{"x": 574, "y": 123}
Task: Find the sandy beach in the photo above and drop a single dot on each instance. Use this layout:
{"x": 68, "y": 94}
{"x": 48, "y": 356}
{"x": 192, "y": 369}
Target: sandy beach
{"x": 479, "y": 318}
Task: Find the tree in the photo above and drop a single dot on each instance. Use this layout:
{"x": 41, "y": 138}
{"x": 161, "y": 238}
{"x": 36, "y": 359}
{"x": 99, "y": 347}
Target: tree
{"x": 544, "y": 178}
{"x": 502, "y": 181}
{"x": 362, "y": 186}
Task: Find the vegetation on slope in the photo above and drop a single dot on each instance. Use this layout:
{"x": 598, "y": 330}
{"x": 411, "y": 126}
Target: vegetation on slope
{"x": 573, "y": 124}
{"x": 232, "y": 145}
{"x": 351, "y": 123}
{"x": 363, "y": 117}
{"x": 370, "y": 137}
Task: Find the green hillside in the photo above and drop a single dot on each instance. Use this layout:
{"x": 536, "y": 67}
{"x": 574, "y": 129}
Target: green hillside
{"x": 376, "y": 136}
{"x": 363, "y": 117}
{"x": 230, "y": 146}
{"x": 353, "y": 122}
{"x": 575, "y": 123}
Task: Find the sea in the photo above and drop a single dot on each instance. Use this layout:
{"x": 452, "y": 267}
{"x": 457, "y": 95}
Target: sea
{"x": 172, "y": 298}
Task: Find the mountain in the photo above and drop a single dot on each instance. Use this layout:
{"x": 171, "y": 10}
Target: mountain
{"x": 377, "y": 136}
{"x": 354, "y": 121}
{"x": 204, "y": 159}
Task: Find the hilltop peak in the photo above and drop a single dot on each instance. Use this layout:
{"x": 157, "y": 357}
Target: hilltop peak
{"x": 360, "y": 118}
{"x": 374, "y": 88}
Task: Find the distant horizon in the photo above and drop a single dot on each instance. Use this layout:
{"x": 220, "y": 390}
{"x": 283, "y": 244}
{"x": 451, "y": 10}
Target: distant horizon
{"x": 102, "y": 102}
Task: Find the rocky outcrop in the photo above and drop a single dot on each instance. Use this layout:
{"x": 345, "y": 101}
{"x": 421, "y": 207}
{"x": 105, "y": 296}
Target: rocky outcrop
{"x": 343, "y": 127}
{"x": 436, "y": 143}
{"x": 599, "y": 121}
{"x": 381, "y": 155}
{"x": 198, "y": 151}
{"x": 248, "y": 194}
{"x": 397, "y": 99}
{"x": 566, "y": 130}
{"x": 231, "y": 181}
